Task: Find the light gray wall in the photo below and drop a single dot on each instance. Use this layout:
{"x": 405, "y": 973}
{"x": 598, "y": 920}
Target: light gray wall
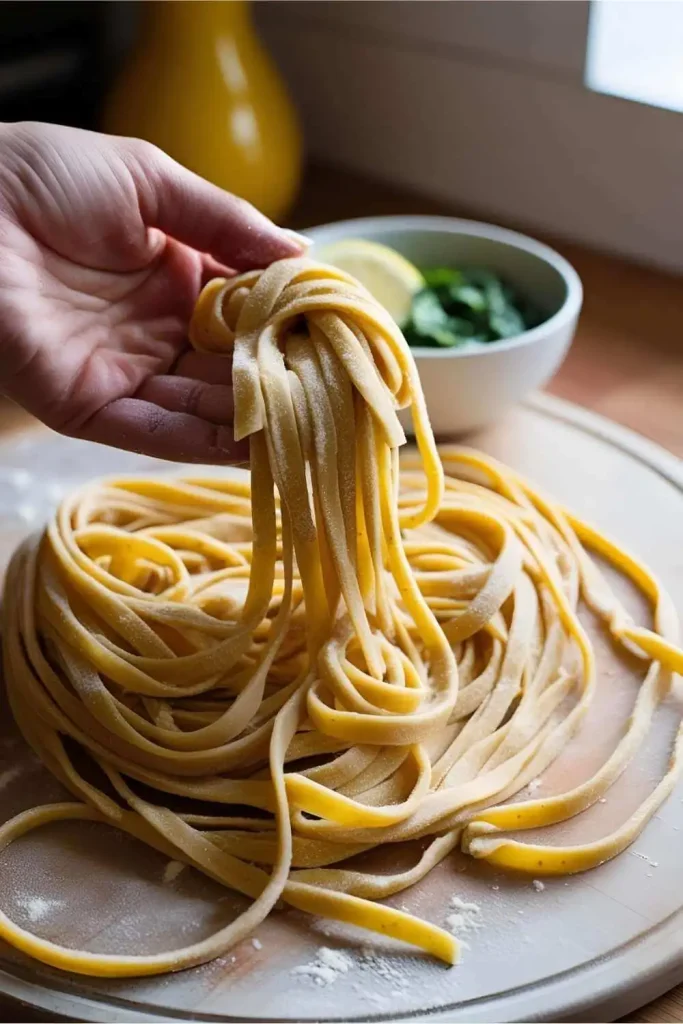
{"x": 483, "y": 104}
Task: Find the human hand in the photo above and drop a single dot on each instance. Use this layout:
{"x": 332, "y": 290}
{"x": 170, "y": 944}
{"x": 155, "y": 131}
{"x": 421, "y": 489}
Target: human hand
{"x": 104, "y": 245}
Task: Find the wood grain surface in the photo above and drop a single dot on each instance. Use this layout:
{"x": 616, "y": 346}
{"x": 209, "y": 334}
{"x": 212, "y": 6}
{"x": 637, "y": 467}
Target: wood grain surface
{"x": 626, "y": 363}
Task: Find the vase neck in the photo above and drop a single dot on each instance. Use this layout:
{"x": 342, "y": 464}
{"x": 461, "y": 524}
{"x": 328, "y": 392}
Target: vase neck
{"x": 186, "y": 19}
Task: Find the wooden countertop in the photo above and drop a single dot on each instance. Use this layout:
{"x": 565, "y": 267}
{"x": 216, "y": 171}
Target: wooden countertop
{"x": 626, "y": 361}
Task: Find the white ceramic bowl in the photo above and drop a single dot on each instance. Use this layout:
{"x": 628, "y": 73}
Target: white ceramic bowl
{"x": 468, "y": 388}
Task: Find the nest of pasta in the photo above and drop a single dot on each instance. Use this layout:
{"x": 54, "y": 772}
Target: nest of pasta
{"x": 335, "y": 653}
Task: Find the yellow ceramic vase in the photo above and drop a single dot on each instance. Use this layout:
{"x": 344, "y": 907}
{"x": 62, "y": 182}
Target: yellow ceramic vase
{"x": 201, "y": 86}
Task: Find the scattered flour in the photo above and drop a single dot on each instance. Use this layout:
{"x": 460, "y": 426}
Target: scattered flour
{"x": 375, "y": 999}
{"x": 384, "y": 968}
{"x": 644, "y": 856}
{"x": 328, "y": 965}
{"x": 459, "y": 904}
{"x": 538, "y": 885}
{"x": 37, "y": 907}
{"x": 171, "y": 871}
{"x": 257, "y": 944}
{"x": 27, "y": 512}
{"x": 466, "y": 917}
{"x": 21, "y": 479}
{"x": 9, "y": 775}
{"x": 534, "y": 785}
{"x": 56, "y": 491}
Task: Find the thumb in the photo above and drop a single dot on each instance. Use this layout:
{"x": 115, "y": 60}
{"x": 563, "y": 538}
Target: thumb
{"x": 203, "y": 216}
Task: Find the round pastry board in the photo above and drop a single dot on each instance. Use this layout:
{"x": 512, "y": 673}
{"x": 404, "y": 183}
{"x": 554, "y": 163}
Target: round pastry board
{"x": 591, "y": 947}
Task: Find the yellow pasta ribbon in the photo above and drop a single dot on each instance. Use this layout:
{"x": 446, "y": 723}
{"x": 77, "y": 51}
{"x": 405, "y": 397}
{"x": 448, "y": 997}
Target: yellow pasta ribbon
{"x": 338, "y": 652}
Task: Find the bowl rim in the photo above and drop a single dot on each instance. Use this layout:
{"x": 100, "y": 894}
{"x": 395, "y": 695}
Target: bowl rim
{"x": 568, "y": 311}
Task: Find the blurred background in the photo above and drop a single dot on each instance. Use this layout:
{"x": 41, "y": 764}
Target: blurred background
{"x": 558, "y": 117}
{"x": 562, "y": 116}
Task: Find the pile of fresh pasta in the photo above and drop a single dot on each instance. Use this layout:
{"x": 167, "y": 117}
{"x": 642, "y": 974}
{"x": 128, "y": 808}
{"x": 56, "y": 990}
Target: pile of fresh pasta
{"x": 333, "y": 654}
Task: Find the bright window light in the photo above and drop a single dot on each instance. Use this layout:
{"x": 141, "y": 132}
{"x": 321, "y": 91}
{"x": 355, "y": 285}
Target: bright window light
{"x": 635, "y": 50}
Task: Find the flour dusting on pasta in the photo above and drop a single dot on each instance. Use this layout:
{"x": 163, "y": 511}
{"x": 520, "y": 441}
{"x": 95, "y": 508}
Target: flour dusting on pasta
{"x": 278, "y": 672}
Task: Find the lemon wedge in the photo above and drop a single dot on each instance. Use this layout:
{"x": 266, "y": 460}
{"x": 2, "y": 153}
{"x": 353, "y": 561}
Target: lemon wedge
{"x": 387, "y": 275}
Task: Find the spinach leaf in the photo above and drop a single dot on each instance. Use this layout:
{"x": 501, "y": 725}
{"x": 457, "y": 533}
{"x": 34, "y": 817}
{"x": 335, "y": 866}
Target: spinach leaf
{"x": 430, "y": 322}
{"x": 506, "y": 324}
{"x": 469, "y": 296}
{"x": 427, "y": 314}
{"x": 442, "y": 277}
{"x": 466, "y": 304}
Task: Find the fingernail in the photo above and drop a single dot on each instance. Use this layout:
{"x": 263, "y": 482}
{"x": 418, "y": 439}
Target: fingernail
{"x": 296, "y": 237}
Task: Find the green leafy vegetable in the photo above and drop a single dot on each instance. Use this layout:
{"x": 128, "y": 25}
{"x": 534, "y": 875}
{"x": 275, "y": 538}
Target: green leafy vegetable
{"x": 442, "y": 277}
{"x": 458, "y": 305}
{"x": 430, "y": 320}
